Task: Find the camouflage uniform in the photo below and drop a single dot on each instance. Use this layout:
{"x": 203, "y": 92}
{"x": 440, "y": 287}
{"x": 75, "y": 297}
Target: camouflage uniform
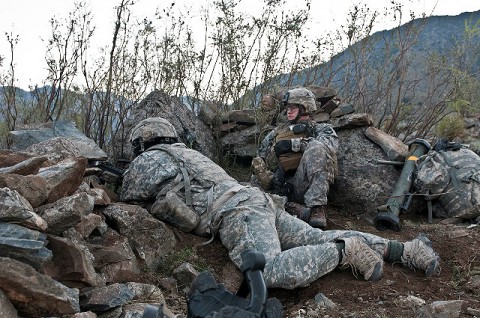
{"x": 318, "y": 164}
{"x": 452, "y": 180}
{"x": 243, "y": 217}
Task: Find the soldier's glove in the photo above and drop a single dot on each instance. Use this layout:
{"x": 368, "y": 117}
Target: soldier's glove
{"x": 299, "y": 128}
{"x": 282, "y": 147}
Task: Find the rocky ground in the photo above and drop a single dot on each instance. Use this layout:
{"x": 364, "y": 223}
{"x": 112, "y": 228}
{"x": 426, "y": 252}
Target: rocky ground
{"x": 400, "y": 293}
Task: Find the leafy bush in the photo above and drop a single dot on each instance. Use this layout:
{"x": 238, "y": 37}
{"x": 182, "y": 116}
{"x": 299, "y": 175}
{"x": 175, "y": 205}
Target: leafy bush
{"x": 450, "y": 127}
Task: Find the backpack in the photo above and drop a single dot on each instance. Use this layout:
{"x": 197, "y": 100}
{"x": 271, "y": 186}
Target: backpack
{"x": 450, "y": 178}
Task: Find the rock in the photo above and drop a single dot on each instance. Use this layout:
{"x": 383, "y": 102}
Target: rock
{"x": 321, "y": 117}
{"x": 86, "y": 314}
{"x": 24, "y": 167}
{"x": 410, "y": 301}
{"x": 61, "y": 148}
{"x": 114, "y": 258}
{"x": 323, "y": 301}
{"x": 6, "y": 308}
{"x": 242, "y": 137}
{"x": 24, "y": 245}
{"x": 342, "y": 110}
{"x": 101, "y": 299}
{"x": 441, "y": 309}
{"x": 10, "y": 158}
{"x": 243, "y": 117}
{"x": 473, "y": 284}
{"x": 322, "y": 94}
{"x": 352, "y": 121}
{"x": 209, "y": 113}
{"x": 146, "y": 293}
{"x": 393, "y": 147}
{"x": 329, "y": 106}
{"x": 31, "y": 187}
{"x": 64, "y": 178}
{"x": 361, "y": 185}
{"x": 66, "y": 212}
{"x": 185, "y": 274}
{"x": 36, "y": 134}
{"x": 150, "y": 238}
{"x": 72, "y": 264}
{"x": 34, "y": 294}
{"x": 16, "y": 209}
{"x": 89, "y": 223}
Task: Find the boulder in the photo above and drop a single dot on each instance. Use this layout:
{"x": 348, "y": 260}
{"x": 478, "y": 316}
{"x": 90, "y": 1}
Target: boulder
{"x": 16, "y": 209}
{"x": 150, "y": 238}
{"x": 60, "y": 148}
{"x": 113, "y": 257}
{"x": 31, "y": 187}
{"x": 104, "y": 298}
{"x": 72, "y": 264}
{"x": 64, "y": 178}
{"x": 6, "y": 307}
{"x": 24, "y": 245}
{"x": 25, "y": 167}
{"x": 34, "y": 294}
{"x": 361, "y": 185}
{"x": 66, "y": 212}
{"x": 74, "y": 140}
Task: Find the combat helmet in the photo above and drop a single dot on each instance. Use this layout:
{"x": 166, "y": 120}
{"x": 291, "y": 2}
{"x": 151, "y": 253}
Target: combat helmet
{"x": 152, "y": 131}
{"x": 301, "y": 96}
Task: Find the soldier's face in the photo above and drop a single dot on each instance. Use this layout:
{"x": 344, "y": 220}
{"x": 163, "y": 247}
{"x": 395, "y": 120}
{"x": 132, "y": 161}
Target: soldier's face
{"x": 292, "y": 112}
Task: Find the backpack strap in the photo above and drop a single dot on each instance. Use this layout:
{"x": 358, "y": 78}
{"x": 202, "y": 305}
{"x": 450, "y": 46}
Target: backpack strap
{"x": 186, "y": 177}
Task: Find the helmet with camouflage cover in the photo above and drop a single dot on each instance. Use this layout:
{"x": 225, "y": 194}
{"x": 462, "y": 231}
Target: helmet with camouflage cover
{"x": 151, "y": 131}
{"x": 301, "y": 96}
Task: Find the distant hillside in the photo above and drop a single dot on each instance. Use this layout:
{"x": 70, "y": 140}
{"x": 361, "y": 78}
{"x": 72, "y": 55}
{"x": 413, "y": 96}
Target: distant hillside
{"x": 378, "y": 54}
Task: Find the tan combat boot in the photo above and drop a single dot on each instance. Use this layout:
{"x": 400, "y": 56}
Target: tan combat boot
{"x": 361, "y": 258}
{"x": 318, "y": 217}
{"x": 418, "y": 254}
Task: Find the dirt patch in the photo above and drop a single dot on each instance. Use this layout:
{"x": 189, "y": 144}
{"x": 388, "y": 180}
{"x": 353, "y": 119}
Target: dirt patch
{"x": 457, "y": 246}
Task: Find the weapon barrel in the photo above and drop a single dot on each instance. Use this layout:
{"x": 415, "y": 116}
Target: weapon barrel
{"x": 387, "y": 218}
{"x": 388, "y": 162}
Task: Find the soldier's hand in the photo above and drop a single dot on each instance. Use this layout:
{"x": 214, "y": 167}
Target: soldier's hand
{"x": 283, "y": 146}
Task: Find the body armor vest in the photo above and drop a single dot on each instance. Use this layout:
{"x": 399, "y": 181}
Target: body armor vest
{"x": 289, "y": 161}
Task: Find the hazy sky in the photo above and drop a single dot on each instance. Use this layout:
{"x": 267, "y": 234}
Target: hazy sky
{"x": 30, "y": 20}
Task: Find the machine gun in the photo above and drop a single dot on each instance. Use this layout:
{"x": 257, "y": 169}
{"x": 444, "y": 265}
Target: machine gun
{"x": 387, "y": 217}
{"x": 208, "y": 299}
{"x": 110, "y": 174}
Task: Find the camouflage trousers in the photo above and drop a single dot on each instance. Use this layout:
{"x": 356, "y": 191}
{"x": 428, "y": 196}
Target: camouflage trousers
{"x": 296, "y": 254}
{"x": 315, "y": 172}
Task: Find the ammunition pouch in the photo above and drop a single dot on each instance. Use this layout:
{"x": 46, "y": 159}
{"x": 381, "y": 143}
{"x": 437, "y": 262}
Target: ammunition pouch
{"x": 290, "y": 161}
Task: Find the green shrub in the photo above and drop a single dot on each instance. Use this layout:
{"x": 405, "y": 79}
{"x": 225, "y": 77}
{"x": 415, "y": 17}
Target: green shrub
{"x": 450, "y": 127}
